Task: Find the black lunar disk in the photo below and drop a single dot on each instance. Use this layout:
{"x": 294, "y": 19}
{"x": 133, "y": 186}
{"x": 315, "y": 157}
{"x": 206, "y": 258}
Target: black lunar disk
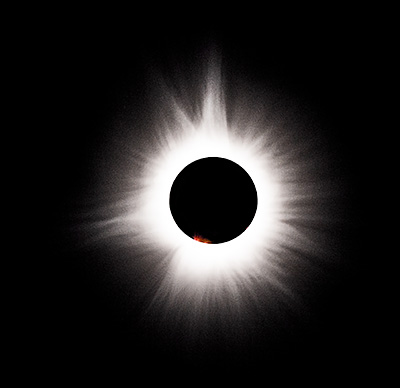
{"x": 213, "y": 200}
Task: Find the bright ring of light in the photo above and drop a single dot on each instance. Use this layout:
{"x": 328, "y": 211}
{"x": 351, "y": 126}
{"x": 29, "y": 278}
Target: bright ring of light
{"x": 192, "y": 261}
{"x": 182, "y": 277}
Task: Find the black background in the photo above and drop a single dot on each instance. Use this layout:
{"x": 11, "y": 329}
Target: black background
{"x": 83, "y": 68}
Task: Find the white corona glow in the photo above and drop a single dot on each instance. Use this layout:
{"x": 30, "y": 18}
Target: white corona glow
{"x": 284, "y": 168}
{"x": 192, "y": 259}
{"x": 193, "y": 262}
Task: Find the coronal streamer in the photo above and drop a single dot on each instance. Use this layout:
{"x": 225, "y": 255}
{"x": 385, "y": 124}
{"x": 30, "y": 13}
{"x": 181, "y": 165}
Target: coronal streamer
{"x": 192, "y": 282}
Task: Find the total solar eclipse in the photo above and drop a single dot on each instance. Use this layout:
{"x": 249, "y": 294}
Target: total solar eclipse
{"x": 213, "y": 200}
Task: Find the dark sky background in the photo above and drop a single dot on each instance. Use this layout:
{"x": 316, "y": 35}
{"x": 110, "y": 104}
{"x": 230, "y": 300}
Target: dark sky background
{"x": 86, "y": 71}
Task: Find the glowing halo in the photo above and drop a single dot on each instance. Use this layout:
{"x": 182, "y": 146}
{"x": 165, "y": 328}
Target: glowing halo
{"x": 193, "y": 261}
{"x": 294, "y": 208}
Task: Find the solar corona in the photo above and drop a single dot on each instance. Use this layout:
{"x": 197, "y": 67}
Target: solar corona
{"x": 220, "y": 203}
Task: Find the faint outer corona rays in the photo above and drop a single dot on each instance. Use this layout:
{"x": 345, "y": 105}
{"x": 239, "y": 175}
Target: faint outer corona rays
{"x": 187, "y": 276}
